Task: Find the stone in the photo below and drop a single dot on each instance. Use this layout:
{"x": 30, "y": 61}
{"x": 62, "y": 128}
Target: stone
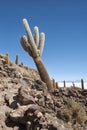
{"x": 28, "y": 125}
{"x": 24, "y": 96}
{"x": 26, "y": 104}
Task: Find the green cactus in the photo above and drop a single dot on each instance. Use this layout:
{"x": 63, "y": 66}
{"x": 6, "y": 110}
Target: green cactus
{"x": 34, "y": 47}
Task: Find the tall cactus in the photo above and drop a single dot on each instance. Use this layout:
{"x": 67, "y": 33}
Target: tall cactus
{"x": 34, "y": 47}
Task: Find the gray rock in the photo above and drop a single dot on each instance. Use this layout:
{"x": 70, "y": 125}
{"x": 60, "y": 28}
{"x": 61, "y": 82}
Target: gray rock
{"x": 24, "y": 96}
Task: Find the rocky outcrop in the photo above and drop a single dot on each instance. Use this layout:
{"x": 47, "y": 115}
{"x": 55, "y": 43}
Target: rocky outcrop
{"x": 26, "y": 104}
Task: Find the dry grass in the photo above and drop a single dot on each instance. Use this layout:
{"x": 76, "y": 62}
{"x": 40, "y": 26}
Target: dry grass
{"x": 73, "y": 112}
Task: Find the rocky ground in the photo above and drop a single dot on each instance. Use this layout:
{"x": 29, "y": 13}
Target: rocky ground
{"x": 25, "y": 103}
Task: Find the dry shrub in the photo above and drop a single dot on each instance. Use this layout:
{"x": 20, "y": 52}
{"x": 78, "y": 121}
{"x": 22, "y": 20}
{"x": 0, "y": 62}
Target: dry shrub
{"x": 72, "y": 112}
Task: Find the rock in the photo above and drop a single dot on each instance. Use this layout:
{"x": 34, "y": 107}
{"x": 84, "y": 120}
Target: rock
{"x": 84, "y": 92}
{"x": 2, "y": 126}
{"x": 28, "y": 125}
{"x": 2, "y": 61}
{"x": 11, "y": 100}
{"x": 26, "y": 104}
{"x": 39, "y": 85}
{"x": 33, "y": 108}
{"x": 41, "y": 102}
{"x": 24, "y": 96}
{"x": 3, "y": 74}
{"x": 16, "y": 128}
{"x": 22, "y": 113}
{"x": 38, "y": 114}
{"x": 17, "y": 115}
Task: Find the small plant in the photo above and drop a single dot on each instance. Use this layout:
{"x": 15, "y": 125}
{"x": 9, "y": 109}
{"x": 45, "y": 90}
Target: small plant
{"x": 73, "y": 112}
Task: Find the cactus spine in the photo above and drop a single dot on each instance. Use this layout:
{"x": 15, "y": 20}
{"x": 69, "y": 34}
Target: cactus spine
{"x": 34, "y": 47}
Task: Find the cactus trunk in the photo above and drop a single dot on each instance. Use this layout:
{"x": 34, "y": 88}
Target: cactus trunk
{"x": 43, "y": 72}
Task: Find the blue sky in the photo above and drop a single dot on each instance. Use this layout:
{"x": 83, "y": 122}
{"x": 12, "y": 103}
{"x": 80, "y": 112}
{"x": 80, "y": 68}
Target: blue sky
{"x": 65, "y": 24}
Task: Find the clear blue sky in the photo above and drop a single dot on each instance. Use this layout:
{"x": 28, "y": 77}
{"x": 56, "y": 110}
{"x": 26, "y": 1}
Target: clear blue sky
{"x": 65, "y": 24}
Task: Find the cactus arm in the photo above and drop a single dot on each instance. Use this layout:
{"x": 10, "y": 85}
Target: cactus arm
{"x": 25, "y": 45}
{"x": 43, "y": 72}
{"x": 36, "y": 35}
{"x": 41, "y": 43}
{"x": 30, "y": 37}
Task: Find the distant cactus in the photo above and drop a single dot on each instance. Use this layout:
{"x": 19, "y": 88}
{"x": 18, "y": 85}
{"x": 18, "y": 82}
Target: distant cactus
{"x": 34, "y": 46}
{"x": 73, "y": 84}
{"x": 55, "y": 84}
{"x": 64, "y": 83}
{"x": 7, "y": 54}
{"x": 22, "y": 63}
{"x": 16, "y": 60}
{"x": 82, "y": 84}
{"x": 1, "y": 56}
{"x": 7, "y": 59}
